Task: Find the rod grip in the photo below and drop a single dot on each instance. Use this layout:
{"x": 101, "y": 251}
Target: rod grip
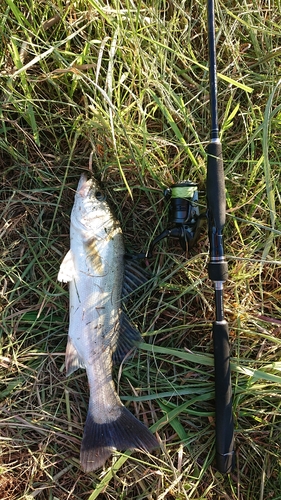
{"x": 215, "y": 185}
{"x": 224, "y": 419}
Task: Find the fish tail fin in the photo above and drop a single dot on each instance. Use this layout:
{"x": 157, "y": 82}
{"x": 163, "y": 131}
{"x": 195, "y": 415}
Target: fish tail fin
{"x": 99, "y": 440}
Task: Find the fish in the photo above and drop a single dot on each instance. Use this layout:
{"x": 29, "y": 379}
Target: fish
{"x": 100, "y": 333}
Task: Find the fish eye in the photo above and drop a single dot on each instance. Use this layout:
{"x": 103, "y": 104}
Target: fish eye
{"x": 100, "y": 196}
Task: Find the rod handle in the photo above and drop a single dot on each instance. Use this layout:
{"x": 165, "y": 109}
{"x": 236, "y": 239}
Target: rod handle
{"x": 215, "y": 185}
{"x": 224, "y": 419}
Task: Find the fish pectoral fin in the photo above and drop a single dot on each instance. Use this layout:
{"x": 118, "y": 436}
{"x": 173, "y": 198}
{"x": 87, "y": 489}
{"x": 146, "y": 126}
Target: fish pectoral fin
{"x": 127, "y": 339}
{"x": 100, "y": 440}
{"x": 73, "y": 360}
{"x": 67, "y": 268}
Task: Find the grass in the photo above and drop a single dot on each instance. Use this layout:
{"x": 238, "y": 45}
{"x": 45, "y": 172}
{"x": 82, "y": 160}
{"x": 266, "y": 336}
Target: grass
{"x": 123, "y": 85}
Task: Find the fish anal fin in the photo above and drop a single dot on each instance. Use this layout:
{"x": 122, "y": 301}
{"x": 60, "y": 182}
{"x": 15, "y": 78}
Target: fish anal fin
{"x": 67, "y": 268}
{"x": 73, "y": 360}
{"x": 127, "y": 339}
{"x": 100, "y": 440}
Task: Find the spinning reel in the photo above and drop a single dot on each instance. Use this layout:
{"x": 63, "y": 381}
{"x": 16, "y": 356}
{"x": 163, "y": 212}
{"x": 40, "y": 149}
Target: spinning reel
{"x": 184, "y": 216}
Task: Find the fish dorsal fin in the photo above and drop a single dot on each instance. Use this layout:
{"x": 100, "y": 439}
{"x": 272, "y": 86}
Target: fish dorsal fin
{"x": 134, "y": 277}
{"x": 67, "y": 268}
{"x": 127, "y": 339}
{"x": 73, "y": 360}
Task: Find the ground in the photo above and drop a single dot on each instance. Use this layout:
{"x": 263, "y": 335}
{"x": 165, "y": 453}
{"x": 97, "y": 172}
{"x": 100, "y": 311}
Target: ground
{"x": 121, "y": 89}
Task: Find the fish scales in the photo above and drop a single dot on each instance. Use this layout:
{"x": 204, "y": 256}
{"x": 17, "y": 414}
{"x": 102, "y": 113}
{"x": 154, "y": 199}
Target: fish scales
{"x": 99, "y": 331}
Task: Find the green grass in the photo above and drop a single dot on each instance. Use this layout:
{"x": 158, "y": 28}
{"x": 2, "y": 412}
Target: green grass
{"x": 123, "y": 86}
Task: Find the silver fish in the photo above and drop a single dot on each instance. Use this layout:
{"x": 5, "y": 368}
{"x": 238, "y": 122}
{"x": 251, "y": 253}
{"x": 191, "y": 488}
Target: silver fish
{"x": 99, "y": 331}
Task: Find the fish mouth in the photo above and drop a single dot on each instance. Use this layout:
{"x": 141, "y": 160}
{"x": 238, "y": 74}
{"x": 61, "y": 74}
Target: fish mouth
{"x": 85, "y": 185}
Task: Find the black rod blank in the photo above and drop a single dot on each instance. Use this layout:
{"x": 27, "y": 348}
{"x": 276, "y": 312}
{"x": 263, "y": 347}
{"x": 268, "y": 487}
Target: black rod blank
{"x": 213, "y": 71}
{"x": 218, "y": 269}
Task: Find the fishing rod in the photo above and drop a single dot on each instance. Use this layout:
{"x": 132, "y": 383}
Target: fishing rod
{"x": 185, "y": 221}
{"x": 218, "y": 268}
